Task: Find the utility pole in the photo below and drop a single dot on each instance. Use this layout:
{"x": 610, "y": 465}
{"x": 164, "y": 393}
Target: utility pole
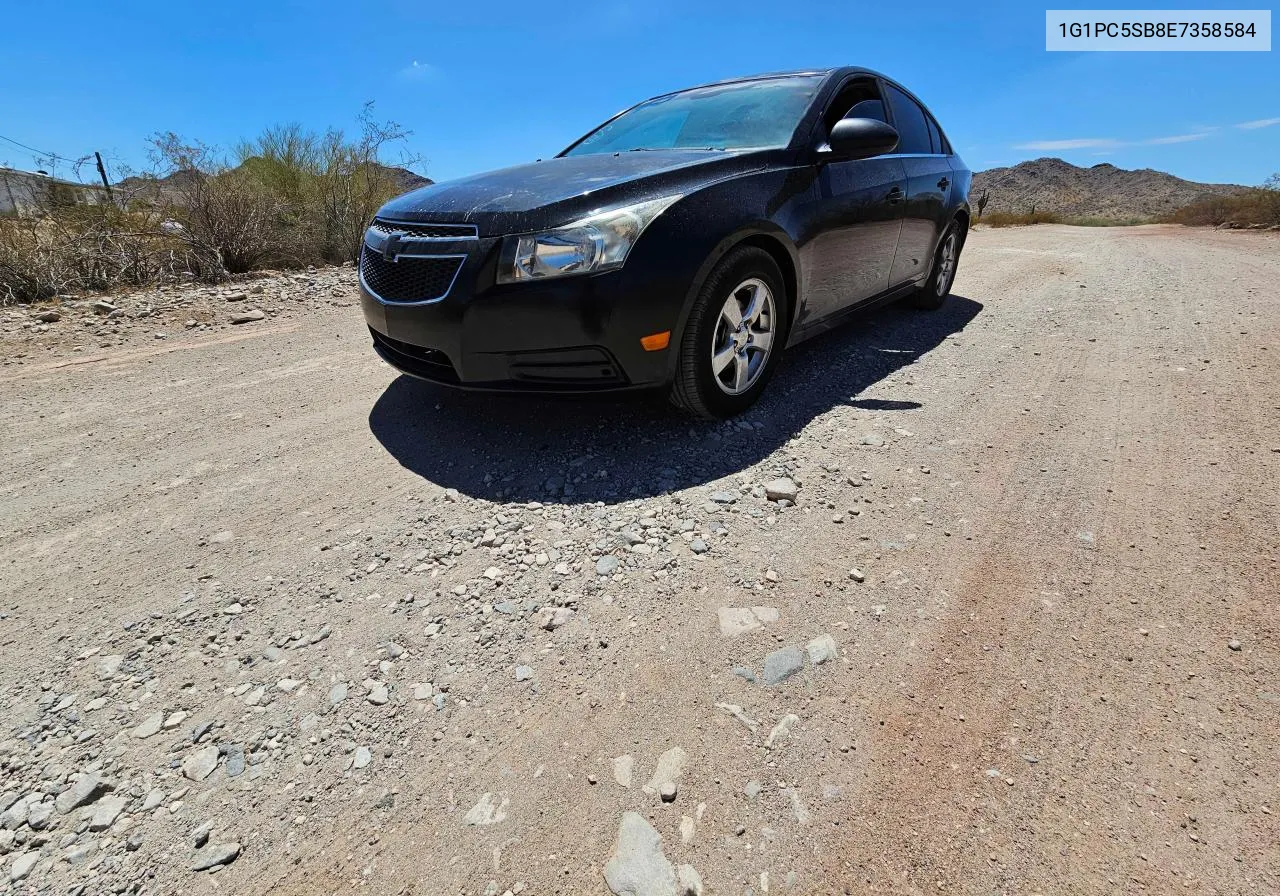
{"x": 102, "y": 172}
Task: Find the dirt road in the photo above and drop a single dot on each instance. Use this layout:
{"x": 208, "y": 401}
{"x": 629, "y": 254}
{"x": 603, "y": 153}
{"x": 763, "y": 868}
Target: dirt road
{"x": 361, "y": 634}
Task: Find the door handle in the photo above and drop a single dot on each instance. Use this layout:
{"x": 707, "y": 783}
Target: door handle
{"x": 894, "y": 196}
{"x": 942, "y": 184}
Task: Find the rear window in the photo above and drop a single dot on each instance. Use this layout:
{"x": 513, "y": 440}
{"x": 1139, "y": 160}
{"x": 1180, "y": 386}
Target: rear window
{"x": 910, "y": 120}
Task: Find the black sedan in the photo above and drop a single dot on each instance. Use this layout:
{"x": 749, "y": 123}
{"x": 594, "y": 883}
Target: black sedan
{"x": 681, "y": 245}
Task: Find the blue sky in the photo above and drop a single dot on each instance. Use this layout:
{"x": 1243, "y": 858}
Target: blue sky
{"x": 483, "y": 85}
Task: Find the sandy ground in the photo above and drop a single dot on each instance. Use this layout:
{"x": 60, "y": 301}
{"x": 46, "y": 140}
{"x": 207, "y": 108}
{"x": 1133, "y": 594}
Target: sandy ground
{"x": 1060, "y": 673}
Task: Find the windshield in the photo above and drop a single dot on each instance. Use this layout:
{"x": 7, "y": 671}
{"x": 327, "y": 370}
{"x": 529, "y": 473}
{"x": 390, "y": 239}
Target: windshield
{"x": 746, "y": 115}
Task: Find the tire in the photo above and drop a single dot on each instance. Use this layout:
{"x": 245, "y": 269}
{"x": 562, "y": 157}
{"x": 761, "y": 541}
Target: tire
{"x": 937, "y": 287}
{"x": 728, "y": 385}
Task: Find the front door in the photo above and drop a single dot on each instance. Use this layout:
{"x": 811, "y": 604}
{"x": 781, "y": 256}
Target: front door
{"x": 855, "y": 217}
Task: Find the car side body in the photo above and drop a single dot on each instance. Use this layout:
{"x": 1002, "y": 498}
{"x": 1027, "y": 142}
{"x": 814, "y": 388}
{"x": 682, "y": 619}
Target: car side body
{"x": 845, "y": 234}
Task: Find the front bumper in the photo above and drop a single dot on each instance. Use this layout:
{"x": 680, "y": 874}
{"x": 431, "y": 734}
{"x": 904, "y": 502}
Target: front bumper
{"x": 576, "y": 334}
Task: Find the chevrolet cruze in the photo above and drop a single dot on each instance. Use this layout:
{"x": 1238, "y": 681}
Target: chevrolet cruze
{"x": 681, "y": 245}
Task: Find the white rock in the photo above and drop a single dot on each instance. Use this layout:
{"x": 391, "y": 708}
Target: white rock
{"x": 622, "y": 769}
{"x": 822, "y": 650}
{"x": 638, "y": 866}
{"x": 782, "y": 489}
{"x": 489, "y": 810}
{"x": 150, "y": 725}
{"x": 781, "y": 730}
{"x": 200, "y": 764}
{"x": 671, "y": 765}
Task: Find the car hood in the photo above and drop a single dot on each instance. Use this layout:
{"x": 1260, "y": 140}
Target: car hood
{"x": 555, "y": 191}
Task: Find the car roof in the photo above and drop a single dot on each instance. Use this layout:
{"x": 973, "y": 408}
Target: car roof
{"x": 840, "y": 71}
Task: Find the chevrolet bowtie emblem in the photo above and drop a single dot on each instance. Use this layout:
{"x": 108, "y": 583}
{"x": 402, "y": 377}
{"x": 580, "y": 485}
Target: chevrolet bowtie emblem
{"x": 391, "y": 248}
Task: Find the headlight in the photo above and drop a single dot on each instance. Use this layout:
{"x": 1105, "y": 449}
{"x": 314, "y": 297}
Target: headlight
{"x": 597, "y": 243}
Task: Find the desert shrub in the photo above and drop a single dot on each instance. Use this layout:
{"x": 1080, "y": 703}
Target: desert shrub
{"x": 1260, "y": 205}
{"x": 90, "y": 247}
{"x": 1009, "y": 219}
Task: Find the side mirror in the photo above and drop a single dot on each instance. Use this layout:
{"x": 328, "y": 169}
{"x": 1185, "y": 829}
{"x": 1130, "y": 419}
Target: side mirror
{"x": 861, "y": 138}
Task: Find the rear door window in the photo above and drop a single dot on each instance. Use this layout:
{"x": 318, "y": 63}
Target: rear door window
{"x": 910, "y": 120}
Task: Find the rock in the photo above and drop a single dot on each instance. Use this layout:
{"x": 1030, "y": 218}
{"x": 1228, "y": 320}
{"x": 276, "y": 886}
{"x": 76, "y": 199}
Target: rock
{"x": 551, "y": 618}
{"x": 49, "y": 317}
{"x": 200, "y": 764}
{"x": 667, "y": 792}
{"x": 15, "y": 816}
{"x": 607, "y": 565}
{"x": 489, "y": 810}
{"x": 782, "y": 664}
{"x": 200, "y": 836}
{"x": 740, "y": 620}
{"x": 822, "y": 650}
{"x": 101, "y": 307}
{"x": 81, "y": 852}
{"x": 1233, "y": 644}
{"x": 106, "y": 811}
{"x": 84, "y": 791}
{"x": 337, "y": 693}
{"x": 857, "y": 575}
{"x": 23, "y": 864}
{"x": 214, "y": 856}
{"x": 39, "y": 814}
{"x": 422, "y": 691}
{"x": 174, "y": 720}
{"x": 362, "y": 757}
{"x": 670, "y": 767}
{"x": 235, "y": 761}
{"x": 736, "y": 621}
{"x": 638, "y": 866}
{"x": 698, "y": 546}
{"x": 781, "y": 490}
{"x": 109, "y": 665}
{"x": 151, "y": 725}
{"x": 744, "y": 673}
{"x": 524, "y": 673}
{"x": 781, "y": 730}
{"x": 723, "y": 497}
{"x": 622, "y": 769}
{"x": 237, "y": 297}
{"x": 873, "y": 440}
{"x": 689, "y": 882}
{"x": 377, "y": 694}
{"x": 737, "y": 712}
{"x": 247, "y": 317}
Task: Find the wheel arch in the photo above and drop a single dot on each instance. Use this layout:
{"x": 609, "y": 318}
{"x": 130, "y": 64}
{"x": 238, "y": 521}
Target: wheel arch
{"x": 766, "y": 236}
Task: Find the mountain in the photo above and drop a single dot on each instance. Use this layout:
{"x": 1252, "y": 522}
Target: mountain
{"x": 1102, "y": 191}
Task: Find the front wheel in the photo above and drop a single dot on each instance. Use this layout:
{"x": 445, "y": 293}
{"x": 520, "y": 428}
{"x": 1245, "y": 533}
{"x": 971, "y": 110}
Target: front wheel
{"x": 734, "y": 336}
{"x": 935, "y": 290}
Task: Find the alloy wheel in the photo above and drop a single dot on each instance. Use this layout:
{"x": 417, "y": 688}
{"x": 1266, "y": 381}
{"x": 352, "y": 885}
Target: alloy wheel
{"x": 946, "y": 265}
{"x": 744, "y": 335}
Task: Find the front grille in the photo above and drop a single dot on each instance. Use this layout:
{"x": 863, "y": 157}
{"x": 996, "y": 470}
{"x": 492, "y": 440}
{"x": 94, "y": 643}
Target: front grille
{"x": 432, "y": 231}
{"x": 411, "y": 279}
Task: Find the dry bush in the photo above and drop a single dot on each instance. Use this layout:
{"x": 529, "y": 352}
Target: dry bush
{"x": 1007, "y": 219}
{"x": 1259, "y": 206}
{"x": 85, "y": 248}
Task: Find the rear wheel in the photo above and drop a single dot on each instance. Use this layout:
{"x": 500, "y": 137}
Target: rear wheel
{"x": 734, "y": 336}
{"x": 935, "y": 290}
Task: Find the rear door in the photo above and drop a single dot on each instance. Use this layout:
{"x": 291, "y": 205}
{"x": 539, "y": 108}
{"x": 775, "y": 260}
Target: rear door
{"x": 924, "y": 155}
{"x": 855, "y": 215}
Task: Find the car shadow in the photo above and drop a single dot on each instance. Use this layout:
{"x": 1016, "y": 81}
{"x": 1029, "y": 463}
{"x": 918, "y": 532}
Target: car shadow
{"x": 579, "y": 450}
